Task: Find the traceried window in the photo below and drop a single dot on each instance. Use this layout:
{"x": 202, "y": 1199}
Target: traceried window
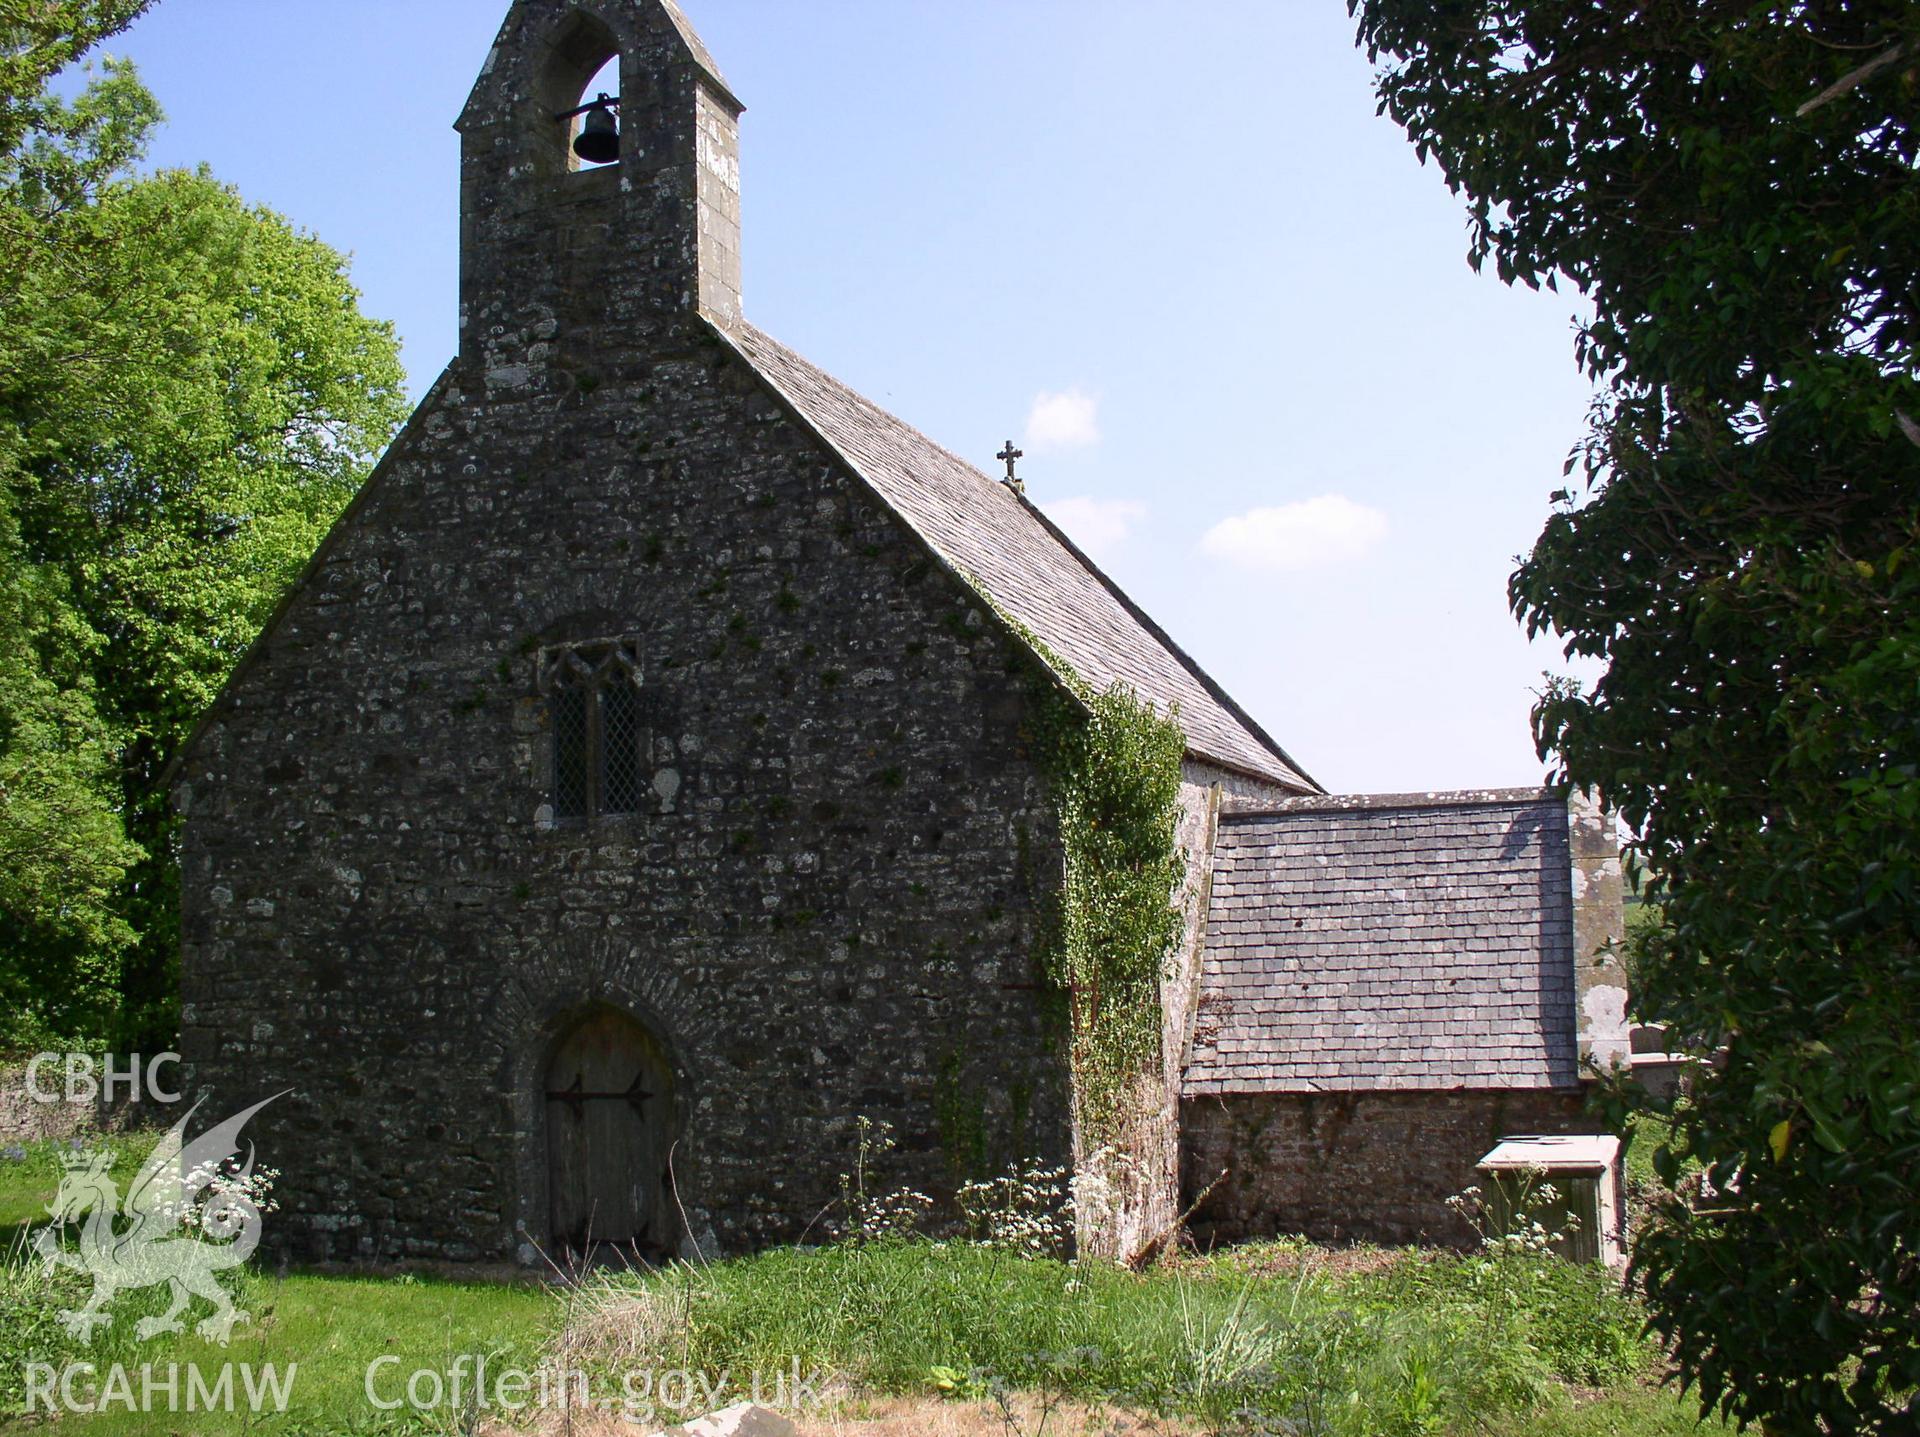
{"x": 599, "y": 741}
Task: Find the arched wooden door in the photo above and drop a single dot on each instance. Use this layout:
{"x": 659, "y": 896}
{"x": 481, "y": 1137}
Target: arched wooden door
{"x": 609, "y": 1106}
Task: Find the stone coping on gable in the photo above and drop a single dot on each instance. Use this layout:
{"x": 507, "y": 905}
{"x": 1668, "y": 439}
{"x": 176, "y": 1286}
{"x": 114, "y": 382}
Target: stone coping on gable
{"x": 1367, "y": 802}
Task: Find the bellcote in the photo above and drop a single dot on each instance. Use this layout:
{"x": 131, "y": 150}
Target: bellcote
{"x": 656, "y": 232}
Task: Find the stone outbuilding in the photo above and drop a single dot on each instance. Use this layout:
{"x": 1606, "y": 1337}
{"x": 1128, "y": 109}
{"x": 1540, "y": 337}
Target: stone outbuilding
{"x": 1388, "y": 990}
{"x": 638, "y": 789}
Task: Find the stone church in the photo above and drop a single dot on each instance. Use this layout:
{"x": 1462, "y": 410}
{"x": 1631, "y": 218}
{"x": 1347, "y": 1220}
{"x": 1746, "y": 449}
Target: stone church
{"x": 636, "y": 790}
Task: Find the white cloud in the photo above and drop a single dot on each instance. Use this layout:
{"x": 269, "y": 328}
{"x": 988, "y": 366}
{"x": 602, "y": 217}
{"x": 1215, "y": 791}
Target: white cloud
{"x": 1099, "y": 526}
{"x": 1331, "y": 529}
{"x": 1068, "y": 420}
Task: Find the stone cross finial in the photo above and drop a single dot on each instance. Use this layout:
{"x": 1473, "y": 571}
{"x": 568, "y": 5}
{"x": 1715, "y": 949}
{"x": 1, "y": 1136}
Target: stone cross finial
{"x": 1009, "y": 456}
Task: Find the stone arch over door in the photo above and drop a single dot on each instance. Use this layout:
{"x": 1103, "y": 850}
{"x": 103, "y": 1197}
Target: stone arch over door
{"x": 527, "y": 1023}
{"x": 610, "y": 1117}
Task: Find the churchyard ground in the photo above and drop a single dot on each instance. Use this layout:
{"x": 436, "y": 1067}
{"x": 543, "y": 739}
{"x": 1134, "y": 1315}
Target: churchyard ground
{"x": 895, "y": 1336}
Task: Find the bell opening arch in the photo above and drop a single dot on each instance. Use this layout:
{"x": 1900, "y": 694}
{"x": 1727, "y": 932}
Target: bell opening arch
{"x": 583, "y": 62}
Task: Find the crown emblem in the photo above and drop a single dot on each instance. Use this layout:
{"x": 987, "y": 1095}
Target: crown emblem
{"x": 93, "y": 1162}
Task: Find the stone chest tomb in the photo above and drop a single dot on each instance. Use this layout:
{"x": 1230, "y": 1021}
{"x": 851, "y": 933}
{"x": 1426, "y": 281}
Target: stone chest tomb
{"x": 638, "y": 788}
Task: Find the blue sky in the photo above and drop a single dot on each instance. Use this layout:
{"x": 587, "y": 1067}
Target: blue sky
{"x": 1170, "y": 249}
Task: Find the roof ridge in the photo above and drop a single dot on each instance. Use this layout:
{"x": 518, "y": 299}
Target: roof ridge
{"x": 1382, "y": 802}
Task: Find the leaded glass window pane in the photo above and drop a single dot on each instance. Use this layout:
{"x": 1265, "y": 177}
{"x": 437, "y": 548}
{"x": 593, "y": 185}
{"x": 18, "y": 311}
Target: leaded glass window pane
{"x": 619, "y": 746}
{"x": 570, "y": 752}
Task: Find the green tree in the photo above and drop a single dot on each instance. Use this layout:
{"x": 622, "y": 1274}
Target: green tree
{"x": 39, "y": 39}
{"x": 1733, "y": 187}
{"x": 188, "y": 396}
{"x": 62, "y": 848}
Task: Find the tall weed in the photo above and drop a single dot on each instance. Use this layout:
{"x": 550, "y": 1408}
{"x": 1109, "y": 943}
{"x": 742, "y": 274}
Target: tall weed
{"x": 1437, "y": 1345}
{"x": 1576, "y": 1316}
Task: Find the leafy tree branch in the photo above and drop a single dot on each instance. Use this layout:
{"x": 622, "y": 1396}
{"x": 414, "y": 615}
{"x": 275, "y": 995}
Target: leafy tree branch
{"x": 188, "y": 396}
{"x": 1733, "y": 188}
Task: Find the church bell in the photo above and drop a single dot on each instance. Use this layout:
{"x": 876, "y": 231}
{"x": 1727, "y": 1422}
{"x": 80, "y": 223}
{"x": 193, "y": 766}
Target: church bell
{"x": 598, "y": 142}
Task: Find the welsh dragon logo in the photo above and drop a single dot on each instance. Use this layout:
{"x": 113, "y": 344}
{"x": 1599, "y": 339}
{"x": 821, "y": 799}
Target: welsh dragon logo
{"x": 187, "y": 1217}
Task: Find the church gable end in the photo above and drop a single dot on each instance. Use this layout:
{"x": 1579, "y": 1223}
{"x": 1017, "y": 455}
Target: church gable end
{"x": 615, "y": 695}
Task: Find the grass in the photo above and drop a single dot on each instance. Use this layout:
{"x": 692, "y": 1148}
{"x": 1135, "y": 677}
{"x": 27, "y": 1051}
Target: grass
{"x": 333, "y": 1327}
{"x": 1636, "y": 1410}
{"x": 1422, "y": 1343}
{"x": 1381, "y": 1343}
{"x": 1412, "y": 1344}
{"x": 329, "y": 1329}
{"x": 30, "y": 1172}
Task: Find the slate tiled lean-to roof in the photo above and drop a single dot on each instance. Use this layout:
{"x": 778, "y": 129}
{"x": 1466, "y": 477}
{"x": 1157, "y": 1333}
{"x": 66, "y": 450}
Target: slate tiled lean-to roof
{"x": 1003, "y": 543}
{"x": 1406, "y": 942}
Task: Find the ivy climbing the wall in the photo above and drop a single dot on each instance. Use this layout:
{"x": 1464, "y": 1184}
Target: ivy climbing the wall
{"x": 1112, "y": 766}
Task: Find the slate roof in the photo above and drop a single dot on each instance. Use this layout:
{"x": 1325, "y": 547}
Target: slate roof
{"x": 1398, "y": 942}
{"x": 1005, "y": 545}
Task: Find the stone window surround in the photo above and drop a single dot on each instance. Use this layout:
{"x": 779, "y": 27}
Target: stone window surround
{"x": 592, "y": 664}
